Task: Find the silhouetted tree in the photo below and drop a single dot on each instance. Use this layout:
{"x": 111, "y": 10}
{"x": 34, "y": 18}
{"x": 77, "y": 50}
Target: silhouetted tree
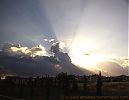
{"x": 66, "y": 86}
{"x": 99, "y": 84}
{"x": 41, "y": 82}
{"x": 36, "y": 82}
{"x": 85, "y": 85}
{"x": 20, "y": 87}
{"x": 31, "y": 86}
{"x": 47, "y": 87}
{"x": 55, "y": 81}
{"x": 74, "y": 84}
{"x": 64, "y": 82}
{"x": 9, "y": 87}
{"x": 3, "y": 87}
{"x": 61, "y": 77}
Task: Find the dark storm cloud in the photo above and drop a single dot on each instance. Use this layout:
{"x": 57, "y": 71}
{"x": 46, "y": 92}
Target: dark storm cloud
{"x": 13, "y": 62}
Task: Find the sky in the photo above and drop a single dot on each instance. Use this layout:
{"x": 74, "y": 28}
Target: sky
{"x": 98, "y": 26}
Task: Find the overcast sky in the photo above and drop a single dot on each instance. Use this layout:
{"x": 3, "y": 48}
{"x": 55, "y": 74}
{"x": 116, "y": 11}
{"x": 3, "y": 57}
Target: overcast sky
{"x": 102, "y": 24}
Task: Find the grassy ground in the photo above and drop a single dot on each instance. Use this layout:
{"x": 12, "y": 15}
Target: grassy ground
{"x": 116, "y": 88}
{"x": 111, "y": 88}
{"x": 108, "y": 89}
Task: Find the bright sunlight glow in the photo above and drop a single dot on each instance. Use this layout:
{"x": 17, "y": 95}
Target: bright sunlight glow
{"x": 85, "y": 56}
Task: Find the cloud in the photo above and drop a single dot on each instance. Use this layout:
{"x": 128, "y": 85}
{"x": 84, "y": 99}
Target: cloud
{"x": 18, "y": 60}
{"x": 62, "y": 45}
{"x": 6, "y": 46}
{"x": 21, "y": 60}
{"x": 122, "y": 61}
{"x": 51, "y": 40}
{"x": 59, "y": 47}
{"x": 38, "y": 51}
{"x": 15, "y": 49}
{"x": 110, "y": 68}
{"x": 45, "y": 39}
{"x": 55, "y": 47}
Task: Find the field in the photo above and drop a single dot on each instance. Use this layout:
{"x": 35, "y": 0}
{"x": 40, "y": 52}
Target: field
{"x": 51, "y": 90}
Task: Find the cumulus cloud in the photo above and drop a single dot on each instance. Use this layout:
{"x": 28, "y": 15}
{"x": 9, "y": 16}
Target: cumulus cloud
{"x": 38, "y": 51}
{"x": 35, "y": 61}
{"x": 51, "y": 40}
{"x": 59, "y": 47}
{"x": 62, "y": 45}
{"x": 24, "y": 50}
{"x": 6, "y": 46}
{"x": 123, "y": 61}
{"x": 45, "y": 39}
{"x": 18, "y": 49}
{"x": 110, "y": 68}
{"x": 55, "y": 47}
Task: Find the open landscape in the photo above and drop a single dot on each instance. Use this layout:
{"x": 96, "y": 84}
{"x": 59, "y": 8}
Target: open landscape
{"x": 63, "y": 86}
{"x": 64, "y": 50}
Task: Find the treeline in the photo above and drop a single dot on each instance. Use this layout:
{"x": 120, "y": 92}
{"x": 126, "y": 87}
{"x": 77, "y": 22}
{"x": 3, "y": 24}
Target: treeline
{"x": 48, "y": 86}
